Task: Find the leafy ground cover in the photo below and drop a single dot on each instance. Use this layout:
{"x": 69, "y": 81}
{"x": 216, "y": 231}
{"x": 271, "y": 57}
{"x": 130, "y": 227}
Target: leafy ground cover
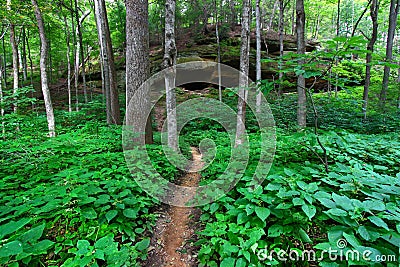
{"x": 71, "y": 200}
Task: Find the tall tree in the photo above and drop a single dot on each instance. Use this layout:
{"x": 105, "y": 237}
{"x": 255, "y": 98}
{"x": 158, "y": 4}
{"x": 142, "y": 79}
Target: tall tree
{"x": 282, "y": 7}
{"x": 137, "y": 66}
{"x": 301, "y": 50}
{"x": 15, "y": 56}
{"x": 43, "y": 71}
{"x": 169, "y": 63}
{"x": 244, "y": 69}
{"x": 394, "y": 11}
{"x": 109, "y": 73}
{"x": 218, "y": 49}
{"x": 69, "y": 67}
{"x": 80, "y": 54}
{"x": 258, "y": 55}
{"x": 370, "y": 47}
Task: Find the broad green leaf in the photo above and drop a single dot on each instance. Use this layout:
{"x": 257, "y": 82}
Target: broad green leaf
{"x": 241, "y": 262}
{"x": 89, "y": 213}
{"x": 364, "y": 233}
{"x": 10, "y": 249}
{"x": 13, "y": 226}
{"x": 342, "y": 201}
{"x": 111, "y": 215}
{"x": 104, "y": 242}
{"x": 309, "y": 210}
{"x": 378, "y": 222}
{"x": 228, "y": 262}
{"x": 304, "y": 236}
{"x": 32, "y": 235}
{"x": 352, "y": 240}
{"x": 262, "y": 213}
{"x": 130, "y": 213}
{"x": 337, "y": 212}
{"x": 142, "y": 245}
{"x": 83, "y": 247}
{"x": 41, "y": 247}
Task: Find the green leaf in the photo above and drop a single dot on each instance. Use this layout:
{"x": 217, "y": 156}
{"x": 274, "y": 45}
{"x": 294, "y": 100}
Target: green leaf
{"x": 228, "y": 262}
{"x": 41, "y": 247}
{"x": 130, "y": 213}
{"x": 111, "y": 215}
{"x": 262, "y": 213}
{"x": 12, "y": 227}
{"x": 275, "y": 230}
{"x": 378, "y": 222}
{"x": 309, "y": 210}
{"x": 304, "y": 236}
{"x": 32, "y": 235}
{"x": 142, "y": 245}
{"x": 352, "y": 239}
{"x": 337, "y": 212}
{"x": 104, "y": 242}
{"x": 298, "y": 201}
{"x": 89, "y": 213}
{"x": 342, "y": 201}
{"x": 364, "y": 233}
{"x": 214, "y": 207}
{"x": 241, "y": 263}
{"x": 83, "y": 247}
{"x": 10, "y": 249}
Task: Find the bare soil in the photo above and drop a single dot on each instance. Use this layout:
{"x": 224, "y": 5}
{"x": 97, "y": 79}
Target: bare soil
{"x": 175, "y": 231}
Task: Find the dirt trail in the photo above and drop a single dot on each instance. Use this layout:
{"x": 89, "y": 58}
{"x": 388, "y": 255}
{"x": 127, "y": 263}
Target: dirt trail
{"x": 175, "y": 229}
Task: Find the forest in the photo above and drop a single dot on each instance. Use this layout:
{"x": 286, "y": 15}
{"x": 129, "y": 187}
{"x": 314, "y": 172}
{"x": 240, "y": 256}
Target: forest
{"x": 200, "y": 133}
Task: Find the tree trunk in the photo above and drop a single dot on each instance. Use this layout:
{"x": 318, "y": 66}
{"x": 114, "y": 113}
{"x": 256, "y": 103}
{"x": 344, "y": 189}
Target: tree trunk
{"x": 169, "y": 61}
{"x": 244, "y": 69}
{"x": 4, "y": 61}
{"x": 108, "y": 66}
{"x": 43, "y": 71}
{"x": 258, "y": 56}
{"x": 370, "y": 48}
{"x": 137, "y": 67}
{"x": 79, "y": 23}
{"x": 271, "y": 18}
{"x": 3, "y": 129}
{"x": 394, "y": 11}
{"x": 14, "y": 47}
{"x": 281, "y": 25}
{"x": 218, "y": 51}
{"x": 24, "y": 61}
{"x": 68, "y": 63}
{"x": 337, "y": 46}
{"x": 301, "y": 49}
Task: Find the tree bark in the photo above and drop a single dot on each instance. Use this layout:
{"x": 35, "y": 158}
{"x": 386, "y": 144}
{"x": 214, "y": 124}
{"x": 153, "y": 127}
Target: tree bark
{"x": 244, "y": 69}
{"x": 169, "y": 61}
{"x": 108, "y": 66}
{"x": 23, "y": 57}
{"x": 337, "y": 46}
{"x": 281, "y": 26}
{"x": 137, "y": 67}
{"x": 43, "y": 71}
{"x": 14, "y": 47}
{"x": 81, "y": 54}
{"x": 218, "y": 51}
{"x": 67, "y": 30}
{"x": 258, "y": 56}
{"x": 370, "y": 47}
{"x": 394, "y": 11}
{"x": 301, "y": 49}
